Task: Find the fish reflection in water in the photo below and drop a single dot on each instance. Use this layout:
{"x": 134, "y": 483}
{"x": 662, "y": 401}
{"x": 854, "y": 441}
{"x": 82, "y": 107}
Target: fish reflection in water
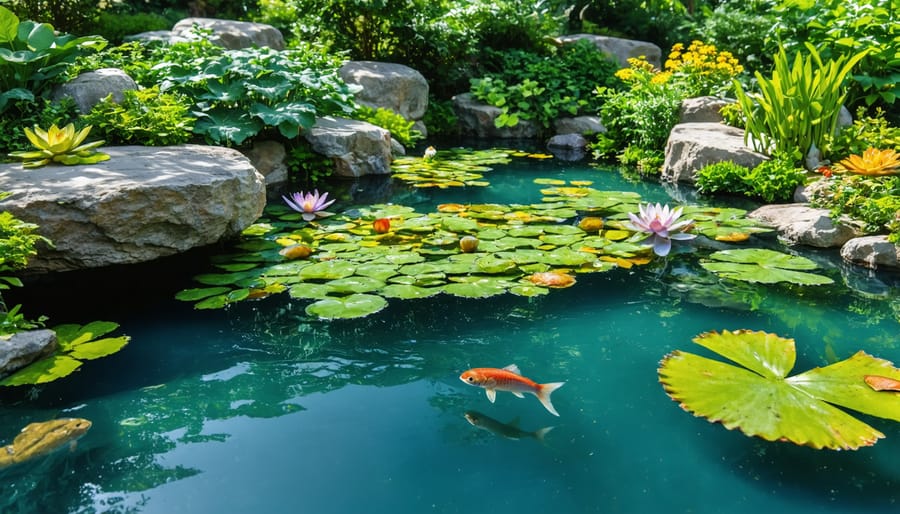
{"x": 506, "y": 430}
{"x": 38, "y": 439}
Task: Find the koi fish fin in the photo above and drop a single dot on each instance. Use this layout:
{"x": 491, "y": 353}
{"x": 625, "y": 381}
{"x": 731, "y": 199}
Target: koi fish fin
{"x": 520, "y": 395}
{"x": 544, "y": 395}
{"x": 513, "y": 368}
{"x": 491, "y": 394}
{"x": 539, "y": 435}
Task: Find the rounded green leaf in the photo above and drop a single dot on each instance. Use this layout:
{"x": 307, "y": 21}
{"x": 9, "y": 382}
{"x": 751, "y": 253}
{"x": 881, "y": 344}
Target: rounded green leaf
{"x": 328, "y": 270}
{"x": 355, "y": 284}
{"x": 310, "y": 290}
{"x": 353, "y": 306}
{"x": 408, "y": 292}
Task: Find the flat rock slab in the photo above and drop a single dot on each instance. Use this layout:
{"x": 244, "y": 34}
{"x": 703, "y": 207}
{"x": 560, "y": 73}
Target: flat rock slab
{"x": 691, "y": 146}
{"x": 872, "y": 252}
{"x": 142, "y": 204}
{"x": 802, "y": 224}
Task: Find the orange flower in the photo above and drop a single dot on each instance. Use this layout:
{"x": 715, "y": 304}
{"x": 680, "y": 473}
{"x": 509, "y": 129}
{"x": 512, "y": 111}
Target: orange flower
{"x": 381, "y": 225}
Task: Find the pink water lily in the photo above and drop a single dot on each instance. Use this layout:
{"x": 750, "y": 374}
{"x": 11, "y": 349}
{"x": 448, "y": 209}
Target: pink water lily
{"x": 660, "y": 223}
{"x": 311, "y": 205}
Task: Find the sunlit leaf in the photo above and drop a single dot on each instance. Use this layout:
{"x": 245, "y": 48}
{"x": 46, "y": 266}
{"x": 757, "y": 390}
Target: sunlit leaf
{"x": 408, "y": 292}
{"x": 757, "y": 398}
{"x": 328, "y": 270}
{"x": 192, "y": 295}
{"x": 99, "y": 348}
{"x": 43, "y": 371}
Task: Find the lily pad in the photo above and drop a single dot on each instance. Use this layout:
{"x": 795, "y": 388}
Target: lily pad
{"x": 764, "y": 266}
{"x": 328, "y": 270}
{"x": 353, "y": 306}
{"x": 755, "y": 397}
{"x": 408, "y": 291}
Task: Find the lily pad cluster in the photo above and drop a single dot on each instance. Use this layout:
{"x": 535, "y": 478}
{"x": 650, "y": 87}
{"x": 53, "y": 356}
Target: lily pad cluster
{"x": 764, "y": 266}
{"x": 349, "y": 269}
{"x": 75, "y": 344}
{"x": 756, "y": 396}
{"x": 455, "y": 167}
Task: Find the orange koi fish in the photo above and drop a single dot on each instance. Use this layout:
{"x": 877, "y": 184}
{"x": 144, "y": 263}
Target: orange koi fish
{"x": 510, "y": 379}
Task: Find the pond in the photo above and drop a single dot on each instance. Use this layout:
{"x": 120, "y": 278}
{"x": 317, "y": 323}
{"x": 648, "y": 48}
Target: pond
{"x": 259, "y": 407}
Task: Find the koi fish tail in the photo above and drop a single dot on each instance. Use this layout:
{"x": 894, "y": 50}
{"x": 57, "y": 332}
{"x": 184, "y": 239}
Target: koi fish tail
{"x": 544, "y": 392}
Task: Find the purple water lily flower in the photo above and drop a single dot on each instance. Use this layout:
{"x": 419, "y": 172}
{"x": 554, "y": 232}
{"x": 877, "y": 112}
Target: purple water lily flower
{"x": 311, "y": 205}
{"x": 661, "y": 224}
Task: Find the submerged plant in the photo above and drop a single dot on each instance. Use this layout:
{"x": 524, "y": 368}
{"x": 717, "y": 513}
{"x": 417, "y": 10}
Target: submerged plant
{"x": 873, "y": 162}
{"x": 62, "y": 145}
{"x": 662, "y": 225}
{"x": 311, "y": 205}
{"x": 757, "y": 397}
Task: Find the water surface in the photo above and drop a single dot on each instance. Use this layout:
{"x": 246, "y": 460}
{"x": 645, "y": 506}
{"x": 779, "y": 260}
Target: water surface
{"x": 258, "y": 408}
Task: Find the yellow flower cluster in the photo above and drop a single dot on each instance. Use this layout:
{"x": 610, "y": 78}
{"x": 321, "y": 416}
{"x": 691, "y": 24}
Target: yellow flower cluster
{"x": 704, "y": 59}
{"x": 638, "y": 69}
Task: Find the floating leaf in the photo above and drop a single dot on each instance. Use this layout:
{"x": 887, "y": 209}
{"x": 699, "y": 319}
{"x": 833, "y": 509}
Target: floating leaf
{"x": 764, "y": 266}
{"x": 760, "y": 401}
{"x": 99, "y": 348}
{"x": 552, "y": 279}
{"x": 43, "y": 371}
{"x": 353, "y": 306}
{"x": 192, "y": 295}
{"x": 310, "y": 290}
{"x": 328, "y": 270}
{"x": 356, "y": 285}
{"x": 408, "y": 292}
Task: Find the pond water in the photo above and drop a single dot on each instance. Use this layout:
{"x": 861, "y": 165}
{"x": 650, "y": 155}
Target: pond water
{"x": 259, "y": 408}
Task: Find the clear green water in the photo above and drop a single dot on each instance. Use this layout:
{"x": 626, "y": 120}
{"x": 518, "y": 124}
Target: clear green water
{"x": 259, "y": 409}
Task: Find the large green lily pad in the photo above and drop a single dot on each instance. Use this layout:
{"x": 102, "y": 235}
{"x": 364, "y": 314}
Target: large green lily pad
{"x": 76, "y": 343}
{"x": 353, "y": 306}
{"x": 764, "y": 266}
{"x": 756, "y": 396}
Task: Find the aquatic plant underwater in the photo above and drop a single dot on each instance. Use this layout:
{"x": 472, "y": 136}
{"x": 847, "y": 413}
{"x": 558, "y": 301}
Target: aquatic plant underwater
{"x": 353, "y": 263}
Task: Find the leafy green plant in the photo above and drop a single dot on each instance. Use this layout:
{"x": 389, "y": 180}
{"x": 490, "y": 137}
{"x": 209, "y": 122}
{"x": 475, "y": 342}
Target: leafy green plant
{"x": 114, "y": 27}
{"x": 18, "y": 243}
{"x": 440, "y": 117}
{"x": 798, "y": 106}
{"x": 400, "y": 129}
{"x": 62, "y": 145}
{"x": 771, "y": 181}
{"x": 73, "y": 16}
{"x": 240, "y": 93}
{"x": 145, "y": 117}
{"x": 530, "y": 86}
{"x": 756, "y": 396}
{"x": 76, "y": 344}
{"x": 33, "y": 57}
{"x": 874, "y": 201}
{"x": 867, "y": 130}
{"x": 844, "y": 28}
{"x": 307, "y": 167}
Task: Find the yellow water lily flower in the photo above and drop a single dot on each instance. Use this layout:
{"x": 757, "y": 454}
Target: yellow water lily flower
{"x": 873, "y": 162}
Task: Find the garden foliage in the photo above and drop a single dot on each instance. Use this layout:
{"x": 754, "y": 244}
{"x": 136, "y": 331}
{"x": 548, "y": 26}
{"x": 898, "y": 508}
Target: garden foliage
{"x": 542, "y": 88}
{"x": 18, "y": 243}
{"x": 143, "y": 117}
{"x": 798, "y": 106}
{"x": 771, "y": 181}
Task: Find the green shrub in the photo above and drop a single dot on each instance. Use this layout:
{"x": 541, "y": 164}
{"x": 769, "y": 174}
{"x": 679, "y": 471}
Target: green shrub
{"x": 306, "y": 167}
{"x": 400, "y": 129}
{"x": 844, "y": 28}
{"x": 241, "y": 93}
{"x": 70, "y": 16}
{"x": 873, "y": 200}
{"x": 742, "y": 26}
{"x": 529, "y": 86}
{"x": 798, "y": 106}
{"x": 440, "y": 117}
{"x": 18, "y": 241}
{"x": 33, "y": 58}
{"x": 145, "y": 117}
{"x": 772, "y": 181}
{"x": 866, "y": 131}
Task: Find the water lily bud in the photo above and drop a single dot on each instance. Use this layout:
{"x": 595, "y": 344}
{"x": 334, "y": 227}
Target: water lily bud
{"x": 296, "y": 252}
{"x": 381, "y": 225}
{"x": 468, "y": 244}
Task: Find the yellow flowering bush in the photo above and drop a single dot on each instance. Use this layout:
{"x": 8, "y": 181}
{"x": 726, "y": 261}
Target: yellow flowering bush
{"x": 703, "y": 69}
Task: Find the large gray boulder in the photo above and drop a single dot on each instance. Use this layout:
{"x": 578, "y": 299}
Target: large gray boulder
{"x": 691, "y": 146}
{"x": 477, "y": 119}
{"x": 23, "y": 348}
{"x": 357, "y": 148}
{"x": 143, "y": 203}
{"x": 231, "y": 34}
{"x": 801, "y": 224}
{"x": 871, "y": 252}
{"x": 87, "y": 89}
{"x": 388, "y": 85}
{"x": 619, "y": 49}
{"x": 582, "y": 125}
